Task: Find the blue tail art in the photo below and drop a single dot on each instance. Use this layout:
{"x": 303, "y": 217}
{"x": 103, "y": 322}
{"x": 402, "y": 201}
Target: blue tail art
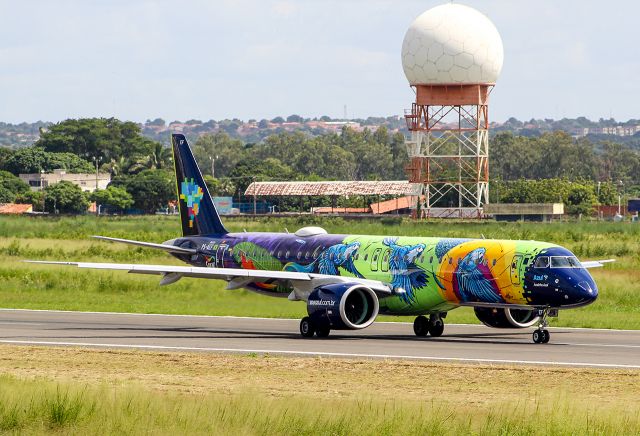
{"x": 197, "y": 211}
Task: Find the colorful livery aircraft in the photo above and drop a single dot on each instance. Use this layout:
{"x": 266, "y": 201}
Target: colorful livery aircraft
{"x": 348, "y": 280}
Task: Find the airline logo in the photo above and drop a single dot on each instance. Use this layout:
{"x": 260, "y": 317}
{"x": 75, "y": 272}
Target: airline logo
{"x": 191, "y": 194}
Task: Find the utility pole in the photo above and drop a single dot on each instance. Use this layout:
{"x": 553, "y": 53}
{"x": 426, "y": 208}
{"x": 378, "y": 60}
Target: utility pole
{"x": 213, "y": 162}
{"x": 96, "y": 159}
{"x": 254, "y": 198}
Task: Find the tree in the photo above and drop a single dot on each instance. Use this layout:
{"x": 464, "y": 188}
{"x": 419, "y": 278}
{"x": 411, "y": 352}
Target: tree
{"x": 35, "y": 198}
{"x": 65, "y": 197}
{"x": 105, "y": 138}
{"x": 295, "y": 119}
{"x": 253, "y": 169}
{"x": 11, "y": 187}
{"x": 5, "y": 155}
{"x": 150, "y": 189}
{"x": 36, "y": 159}
{"x": 114, "y": 197}
{"x": 226, "y": 151}
{"x": 222, "y": 187}
{"x": 157, "y": 122}
{"x": 581, "y": 200}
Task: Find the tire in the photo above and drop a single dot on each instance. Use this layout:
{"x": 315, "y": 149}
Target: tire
{"x": 421, "y": 326}
{"x": 436, "y": 328}
{"x": 307, "y": 329}
{"x": 538, "y": 336}
{"x": 546, "y": 336}
{"x": 322, "y": 331}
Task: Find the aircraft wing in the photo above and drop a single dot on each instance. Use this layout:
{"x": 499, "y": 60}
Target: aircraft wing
{"x": 595, "y": 263}
{"x": 236, "y": 277}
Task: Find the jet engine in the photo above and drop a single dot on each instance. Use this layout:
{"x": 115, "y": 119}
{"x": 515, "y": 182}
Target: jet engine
{"x": 506, "y": 318}
{"x": 343, "y": 306}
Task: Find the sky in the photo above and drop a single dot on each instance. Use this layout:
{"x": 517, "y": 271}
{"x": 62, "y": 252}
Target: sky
{"x": 217, "y": 59}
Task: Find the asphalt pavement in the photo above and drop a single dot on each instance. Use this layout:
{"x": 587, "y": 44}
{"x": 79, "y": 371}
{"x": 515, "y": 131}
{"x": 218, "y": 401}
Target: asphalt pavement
{"x": 181, "y": 333}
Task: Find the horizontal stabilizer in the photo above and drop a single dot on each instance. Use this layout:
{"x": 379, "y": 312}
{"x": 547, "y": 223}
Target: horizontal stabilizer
{"x": 169, "y": 248}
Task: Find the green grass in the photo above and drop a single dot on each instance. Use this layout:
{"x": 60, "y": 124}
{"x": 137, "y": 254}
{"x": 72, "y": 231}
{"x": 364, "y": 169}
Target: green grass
{"x": 67, "y": 238}
{"x": 74, "y": 408}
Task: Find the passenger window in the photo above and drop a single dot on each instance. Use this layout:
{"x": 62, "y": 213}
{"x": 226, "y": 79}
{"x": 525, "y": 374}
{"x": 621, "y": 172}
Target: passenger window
{"x": 494, "y": 262}
{"x": 279, "y": 254}
{"x": 286, "y": 255}
{"x": 374, "y": 259}
{"x": 299, "y": 255}
{"x": 385, "y": 261}
{"x": 542, "y": 262}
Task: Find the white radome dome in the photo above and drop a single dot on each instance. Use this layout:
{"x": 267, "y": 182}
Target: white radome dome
{"x": 452, "y": 43}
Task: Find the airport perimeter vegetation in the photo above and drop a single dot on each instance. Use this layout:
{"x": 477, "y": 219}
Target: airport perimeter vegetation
{"x": 85, "y": 391}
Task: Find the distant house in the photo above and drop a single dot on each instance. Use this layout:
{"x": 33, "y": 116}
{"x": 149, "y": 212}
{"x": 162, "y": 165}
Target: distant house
{"x": 86, "y": 181}
{"x": 15, "y": 209}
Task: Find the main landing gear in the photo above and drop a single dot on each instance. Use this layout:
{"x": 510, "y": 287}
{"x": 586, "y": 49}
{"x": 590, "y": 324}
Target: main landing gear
{"x": 433, "y": 326}
{"x": 542, "y": 335}
{"x": 308, "y": 329}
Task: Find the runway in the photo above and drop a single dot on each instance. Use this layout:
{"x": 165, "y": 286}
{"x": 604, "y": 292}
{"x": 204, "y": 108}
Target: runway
{"x": 180, "y": 333}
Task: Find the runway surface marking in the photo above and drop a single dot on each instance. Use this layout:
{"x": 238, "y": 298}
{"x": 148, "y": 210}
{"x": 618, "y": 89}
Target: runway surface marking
{"x": 460, "y": 343}
{"x": 316, "y": 353}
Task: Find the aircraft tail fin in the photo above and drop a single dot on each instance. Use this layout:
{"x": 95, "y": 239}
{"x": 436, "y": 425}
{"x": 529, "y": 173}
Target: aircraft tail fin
{"x": 197, "y": 211}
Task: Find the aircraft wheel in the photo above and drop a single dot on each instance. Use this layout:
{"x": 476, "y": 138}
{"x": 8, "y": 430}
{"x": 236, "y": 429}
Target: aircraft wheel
{"x": 322, "y": 331}
{"x": 307, "y": 329}
{"x": 436, "y": 327}
{"x": 546, "y": 336}
{"x": 541, "y": 336}
{"x": 421, "y": 326}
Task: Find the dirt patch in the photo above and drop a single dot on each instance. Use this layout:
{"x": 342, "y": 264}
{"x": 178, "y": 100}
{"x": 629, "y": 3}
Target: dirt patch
{"x": 321, "y": 377}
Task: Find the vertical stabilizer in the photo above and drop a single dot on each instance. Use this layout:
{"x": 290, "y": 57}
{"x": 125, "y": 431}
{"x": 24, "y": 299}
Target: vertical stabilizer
{"x": 197, "y": 211}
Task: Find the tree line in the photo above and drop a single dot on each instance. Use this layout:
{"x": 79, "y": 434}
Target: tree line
{"x": 523, "y": 169}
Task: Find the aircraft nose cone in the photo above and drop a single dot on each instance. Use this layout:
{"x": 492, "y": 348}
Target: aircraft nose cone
{"x": 588, "y": 291}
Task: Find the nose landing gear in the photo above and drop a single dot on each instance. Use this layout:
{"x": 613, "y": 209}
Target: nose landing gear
{"x": 542, "y": 335}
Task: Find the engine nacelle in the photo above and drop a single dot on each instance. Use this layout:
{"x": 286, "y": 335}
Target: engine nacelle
{"x": 506, "y": 318}
{"x": 343, "y": 306}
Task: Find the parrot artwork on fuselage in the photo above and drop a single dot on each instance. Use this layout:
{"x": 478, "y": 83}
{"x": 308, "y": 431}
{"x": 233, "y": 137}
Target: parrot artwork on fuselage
{"x": 346, "y": 281}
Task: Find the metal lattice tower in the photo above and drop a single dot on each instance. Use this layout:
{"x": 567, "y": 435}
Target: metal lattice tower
{"x": 449, "y": 148}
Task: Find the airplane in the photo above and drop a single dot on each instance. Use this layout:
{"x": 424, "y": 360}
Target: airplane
{"x": 348, "y": 280}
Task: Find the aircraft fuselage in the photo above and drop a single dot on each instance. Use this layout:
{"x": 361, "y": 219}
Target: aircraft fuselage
{"x": 427, "y": 275}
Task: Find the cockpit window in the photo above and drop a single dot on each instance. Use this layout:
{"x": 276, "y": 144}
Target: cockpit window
{"x": 541, "y": 262}
{"x": 565, "y": 262}
{"x": 575, "y": 263}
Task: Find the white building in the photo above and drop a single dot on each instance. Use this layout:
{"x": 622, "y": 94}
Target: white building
{"x": 87, "y": 181}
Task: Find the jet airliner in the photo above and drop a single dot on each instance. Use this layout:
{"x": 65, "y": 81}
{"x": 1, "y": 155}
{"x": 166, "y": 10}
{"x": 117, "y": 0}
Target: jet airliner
{"x": 348, "y": 280}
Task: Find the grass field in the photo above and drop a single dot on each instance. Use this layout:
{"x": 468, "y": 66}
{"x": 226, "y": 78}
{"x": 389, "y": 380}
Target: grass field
{"x": 67, "y": 238}
{"x": 75, "y": 391}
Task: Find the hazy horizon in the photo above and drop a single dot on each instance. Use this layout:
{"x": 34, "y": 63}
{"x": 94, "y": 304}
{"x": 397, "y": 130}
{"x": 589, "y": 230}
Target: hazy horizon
{"x": 139, "y": 60}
